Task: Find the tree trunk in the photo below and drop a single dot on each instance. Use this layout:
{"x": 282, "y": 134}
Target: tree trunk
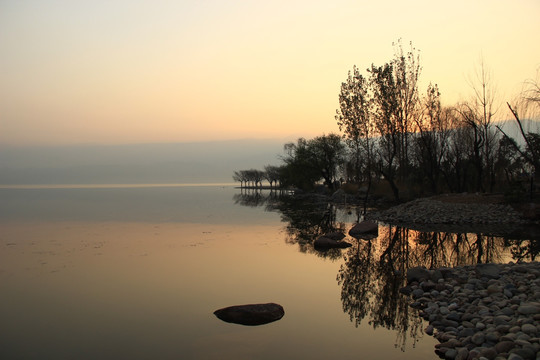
{"x": 392, "y": 184}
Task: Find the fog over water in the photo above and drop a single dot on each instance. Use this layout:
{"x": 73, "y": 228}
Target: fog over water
{"x": 198, "y": 162}
{"x": 159, "y": 163}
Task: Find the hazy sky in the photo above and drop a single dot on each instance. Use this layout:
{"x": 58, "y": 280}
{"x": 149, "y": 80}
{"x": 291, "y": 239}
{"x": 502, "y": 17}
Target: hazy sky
{"x": 120, "y": 71}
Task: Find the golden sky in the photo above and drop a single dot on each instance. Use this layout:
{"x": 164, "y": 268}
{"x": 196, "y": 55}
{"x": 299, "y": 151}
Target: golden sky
{"x": 139, "y": 71}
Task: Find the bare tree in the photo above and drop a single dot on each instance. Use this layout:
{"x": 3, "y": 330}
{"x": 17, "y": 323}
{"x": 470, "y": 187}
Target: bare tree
{"x": 479, "y": 115}
{"x": 530, "y": 105}
{"x": 406, "y": 74}
{"x": 433, "y": 126}
{"x": 455, "y": 166}
{"x": 531, "y": 93}
{"x": 531, "y": 154}
{"x": 476, "y": 139}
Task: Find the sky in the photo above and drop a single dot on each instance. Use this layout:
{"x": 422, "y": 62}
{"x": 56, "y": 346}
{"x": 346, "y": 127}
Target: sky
{"x": 139, "y": 71}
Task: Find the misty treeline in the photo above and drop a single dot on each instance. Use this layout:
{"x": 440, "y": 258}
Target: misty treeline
{"x": 391, "y": 131}
{"x": 254, "y": 177}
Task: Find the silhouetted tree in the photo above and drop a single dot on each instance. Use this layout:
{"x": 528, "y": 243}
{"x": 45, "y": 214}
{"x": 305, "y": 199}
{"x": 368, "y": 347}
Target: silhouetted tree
{"x": 456, "y": 165}
{"x": 300, "y": 167}
{"x": 386, "y": 110}
{"x": 531, "y": 94}
{"x": 531, "y": 153}
{"x": 393, "y": 135}
{"x": 508, "y": 162}
{"x": 256, "y": 176}
{"x": 272, "y": 174}
{"x": 406, "y": 74}
{"x": 329, "y": 155}
{"x": 253, "y": 176}
{"x": 530, "y": 106}
{"x": 238, "y": 176}
{"x": 354, "y": 120}
{"x": 395, "y": 102}
{"x": 309, "y": 161}
{"x": 478, "y": 115}
{"x": 432, "y": 139}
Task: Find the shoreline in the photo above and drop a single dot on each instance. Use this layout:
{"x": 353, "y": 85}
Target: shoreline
{"x": 489, "y": 311}
{"x": 429, "y": 211}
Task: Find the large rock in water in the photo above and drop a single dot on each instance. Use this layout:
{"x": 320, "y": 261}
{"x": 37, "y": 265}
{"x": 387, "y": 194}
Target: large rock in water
{"x": 365, "y": 230}
{"x": 324, "y": 243}
{"x": 251, "y": 314}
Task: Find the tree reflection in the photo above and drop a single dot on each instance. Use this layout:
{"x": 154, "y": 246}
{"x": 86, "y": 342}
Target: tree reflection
{"x": 355, "y": 277}
{"x": 306, "y": 221}
{"x": 250, "y": 197}
{"x": 524, "y": 243}
{"x": 306, "y": 217}
{"x": 394, "y": 312}
{"x": 371, "y": 276}
{"x": 373, "y": 271}
{"x": 442, "y": 249}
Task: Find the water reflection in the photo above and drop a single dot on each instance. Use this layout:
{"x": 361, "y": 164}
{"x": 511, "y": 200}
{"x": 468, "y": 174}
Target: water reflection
{"x": 306, "y": 217}
{"x": 374, "y": 270}
{"x": 370, "y": 279}
{"x": 310, "y": 216}
{"x": 525, "y": 249}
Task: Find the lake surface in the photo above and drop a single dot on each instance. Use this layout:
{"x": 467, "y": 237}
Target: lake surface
{"x": 137, "y": 272}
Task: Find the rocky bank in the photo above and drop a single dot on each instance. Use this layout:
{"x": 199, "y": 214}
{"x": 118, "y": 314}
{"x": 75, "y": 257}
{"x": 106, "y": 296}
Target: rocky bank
{"x": 432, "y": 211}
{"x": 485, "y": 311}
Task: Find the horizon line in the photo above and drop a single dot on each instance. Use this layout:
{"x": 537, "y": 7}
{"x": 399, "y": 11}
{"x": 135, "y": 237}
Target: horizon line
{"x": 110, "y": 186}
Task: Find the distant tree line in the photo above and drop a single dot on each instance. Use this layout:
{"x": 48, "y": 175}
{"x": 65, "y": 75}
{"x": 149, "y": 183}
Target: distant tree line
{"x": 305, "y": 163}
{"x": 254, "y": 178}
{"x": 394, "y": 133}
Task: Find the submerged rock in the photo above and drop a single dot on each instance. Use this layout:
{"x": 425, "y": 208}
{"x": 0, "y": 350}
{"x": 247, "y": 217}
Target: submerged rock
{"x": 324, "y": 242}
{"x": 365, "y": 230}
{"x": 251, "y": 314}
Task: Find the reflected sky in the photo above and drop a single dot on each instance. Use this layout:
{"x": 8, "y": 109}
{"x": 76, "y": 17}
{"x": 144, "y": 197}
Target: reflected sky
{"x": 142, "y": 290}
{"x": 110, "y": 273}
{"x": 137, "y": 272}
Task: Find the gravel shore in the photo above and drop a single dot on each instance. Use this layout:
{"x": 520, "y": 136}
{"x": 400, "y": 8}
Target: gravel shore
{"x": 432, "y": 211}
{"x": 487, "y": 311}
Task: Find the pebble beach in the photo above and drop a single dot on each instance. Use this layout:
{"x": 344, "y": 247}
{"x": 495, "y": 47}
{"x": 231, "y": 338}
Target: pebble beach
{"x": 484, "y": 311}
{"x": 487, "y": 311}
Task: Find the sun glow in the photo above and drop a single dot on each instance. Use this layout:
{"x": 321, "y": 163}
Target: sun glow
{"x": 160, "y": 71}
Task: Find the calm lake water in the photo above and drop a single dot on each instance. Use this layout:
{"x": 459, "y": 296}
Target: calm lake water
{"x": 137, "y": 272}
